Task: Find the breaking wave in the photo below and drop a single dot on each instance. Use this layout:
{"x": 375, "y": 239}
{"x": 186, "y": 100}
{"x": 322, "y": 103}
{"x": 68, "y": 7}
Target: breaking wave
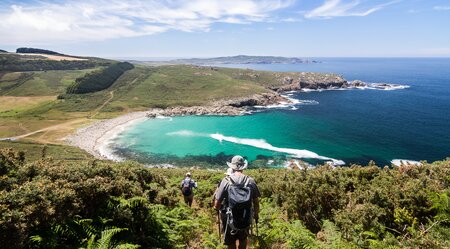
{"x": 400, "y": 162}
{"x": 259, "y": 143}
{"x": 186, "y": 133}
{"x": 368, "y": 86}
{"x": 163, "y": 117}
{"x": 263, "y": 144}
{"x": 292, "y": 104}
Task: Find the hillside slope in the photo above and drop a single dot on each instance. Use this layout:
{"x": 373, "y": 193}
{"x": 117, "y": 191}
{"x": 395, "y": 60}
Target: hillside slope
{"x": 137, "y": 89}
{"x": 49, "y": 203}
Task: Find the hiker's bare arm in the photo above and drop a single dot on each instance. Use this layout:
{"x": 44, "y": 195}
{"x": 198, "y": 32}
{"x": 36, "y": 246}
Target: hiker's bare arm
{"x": 256, "y": 207}
{"x": 216, "y": 204}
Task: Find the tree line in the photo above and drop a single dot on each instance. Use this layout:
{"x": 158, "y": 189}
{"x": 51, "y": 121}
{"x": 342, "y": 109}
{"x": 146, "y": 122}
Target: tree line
{"x": 36, "y": 51}
{"x": 100, "y": 79}
{"x": 101, "y": 204}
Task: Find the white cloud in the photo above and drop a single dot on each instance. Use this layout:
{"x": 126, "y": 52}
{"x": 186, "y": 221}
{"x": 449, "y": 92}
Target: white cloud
{"x": 339, "y": 8}
{"x": 51, "y": 22}
{"x": 441, "y": 7}
{"x": 290, "y": 19}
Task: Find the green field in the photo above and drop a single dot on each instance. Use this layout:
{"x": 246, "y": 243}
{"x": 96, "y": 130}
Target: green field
{"x": 35, "y": 151}
{"x": 165, "y": 86}
{"x": 44, "y": 83}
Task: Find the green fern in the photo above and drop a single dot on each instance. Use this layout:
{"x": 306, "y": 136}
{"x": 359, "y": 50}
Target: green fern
{"x": 106, "y": 240}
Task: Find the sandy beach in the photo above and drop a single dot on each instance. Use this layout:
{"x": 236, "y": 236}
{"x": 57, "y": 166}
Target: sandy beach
{"x": 96, "y": 137}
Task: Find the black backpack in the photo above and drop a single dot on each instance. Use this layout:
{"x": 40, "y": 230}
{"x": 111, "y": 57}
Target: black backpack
{"x": 186, "y": 188}
{"x": 239, "y": 210}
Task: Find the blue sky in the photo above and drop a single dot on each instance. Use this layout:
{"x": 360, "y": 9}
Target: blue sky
{"x": 205, "y": 28}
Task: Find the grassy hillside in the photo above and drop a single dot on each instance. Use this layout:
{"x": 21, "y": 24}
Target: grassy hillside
{"x": 44, "y": 83}
{"x": 51, "y": 203}
{"x": 174, "y": 85}
{"x": 135, "y": 90}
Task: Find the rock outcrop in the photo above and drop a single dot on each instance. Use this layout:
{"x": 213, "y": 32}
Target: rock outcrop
{"x": 356, "y": 83}
{"x": 231, "y": 107}
{"x": 299, "y": 81}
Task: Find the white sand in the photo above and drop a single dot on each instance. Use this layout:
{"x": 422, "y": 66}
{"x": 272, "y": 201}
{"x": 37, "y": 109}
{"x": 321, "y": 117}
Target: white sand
{"x": 96, "y": 138}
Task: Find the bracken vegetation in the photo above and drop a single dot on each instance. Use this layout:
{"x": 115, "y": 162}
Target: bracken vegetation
{"x": 48, "y": 203}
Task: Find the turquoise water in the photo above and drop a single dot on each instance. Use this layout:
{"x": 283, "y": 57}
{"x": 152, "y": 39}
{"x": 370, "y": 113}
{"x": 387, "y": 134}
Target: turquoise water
{"x": 354, "y": 126}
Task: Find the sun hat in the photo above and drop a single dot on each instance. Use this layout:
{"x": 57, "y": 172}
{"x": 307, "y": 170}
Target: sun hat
{"x": 229, "y": 172}
{"x": 238, "y": 163}
{"x": 188, "y": 174}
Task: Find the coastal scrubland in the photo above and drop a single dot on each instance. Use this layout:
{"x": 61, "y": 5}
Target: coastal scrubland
{"x": 51, "y": 202}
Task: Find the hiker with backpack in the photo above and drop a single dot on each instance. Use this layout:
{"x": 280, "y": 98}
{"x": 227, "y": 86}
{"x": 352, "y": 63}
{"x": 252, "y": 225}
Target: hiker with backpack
{"x": 239, "y": 195}
{"x": 187, "y": 186}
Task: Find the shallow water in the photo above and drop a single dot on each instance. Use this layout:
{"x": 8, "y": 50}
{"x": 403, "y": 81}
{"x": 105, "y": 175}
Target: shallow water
{"x": 353, "y": 125}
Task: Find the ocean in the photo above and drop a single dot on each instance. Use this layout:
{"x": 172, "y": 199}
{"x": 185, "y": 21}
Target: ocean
{"x": 353, "y": 126}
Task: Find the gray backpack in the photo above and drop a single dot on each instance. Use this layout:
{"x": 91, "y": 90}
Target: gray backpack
{"x": 186, "y": 189}
{"x": 239, "y": 210}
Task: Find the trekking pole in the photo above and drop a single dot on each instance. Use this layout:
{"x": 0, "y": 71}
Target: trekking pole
{"x": 256, "y": 221}
{"x": 218, "y": 223}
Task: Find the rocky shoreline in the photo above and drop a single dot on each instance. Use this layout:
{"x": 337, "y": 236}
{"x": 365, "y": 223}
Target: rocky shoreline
{"x": 228, "y": 107}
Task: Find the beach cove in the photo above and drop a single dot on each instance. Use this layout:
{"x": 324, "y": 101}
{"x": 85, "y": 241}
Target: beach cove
{"x": 354, "y": 126}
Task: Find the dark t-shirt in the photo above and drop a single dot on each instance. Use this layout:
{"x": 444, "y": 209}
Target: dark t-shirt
{"x": 192, "y": 183}
{"x": 222, "y": 191}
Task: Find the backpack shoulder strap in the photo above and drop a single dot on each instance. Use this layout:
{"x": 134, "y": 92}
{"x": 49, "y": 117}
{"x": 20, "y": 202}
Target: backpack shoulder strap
{"x": 230, "y": 180}
{"x": 247, "y": 181}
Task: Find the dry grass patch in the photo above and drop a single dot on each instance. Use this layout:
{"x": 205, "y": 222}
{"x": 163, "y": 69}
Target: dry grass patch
{"x": 58, "y": 57}
{"x": 12, "y": 105}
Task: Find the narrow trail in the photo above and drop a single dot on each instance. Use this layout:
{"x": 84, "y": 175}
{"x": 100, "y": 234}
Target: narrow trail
{"x": 96, "y": 111}
{"x": 111, "y": 93}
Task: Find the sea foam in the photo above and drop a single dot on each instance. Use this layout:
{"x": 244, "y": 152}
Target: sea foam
{"x": 106, "y": 142}
{"x": 186, "y": 133}
{"x": 291, "y": 105}
{"x": 400, "y": 162}
{"x": 263, "y": 144}
{"x": 258, "y": 143}
{"x": 369, "y": 86}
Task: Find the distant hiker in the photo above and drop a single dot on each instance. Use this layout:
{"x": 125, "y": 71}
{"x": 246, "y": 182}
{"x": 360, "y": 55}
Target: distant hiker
{"x": 239, "y": 195}
{"x": 187, "y": 186}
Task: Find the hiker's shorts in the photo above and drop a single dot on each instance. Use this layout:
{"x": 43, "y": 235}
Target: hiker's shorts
{"x": 231, "y": 239}
{"x": 188, "y": 199}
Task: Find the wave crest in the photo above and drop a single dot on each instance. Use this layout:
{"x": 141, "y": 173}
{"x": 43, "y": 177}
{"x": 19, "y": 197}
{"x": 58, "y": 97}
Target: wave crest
{"x": 263, "y": 144}
{"x": 400, "y": 162}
